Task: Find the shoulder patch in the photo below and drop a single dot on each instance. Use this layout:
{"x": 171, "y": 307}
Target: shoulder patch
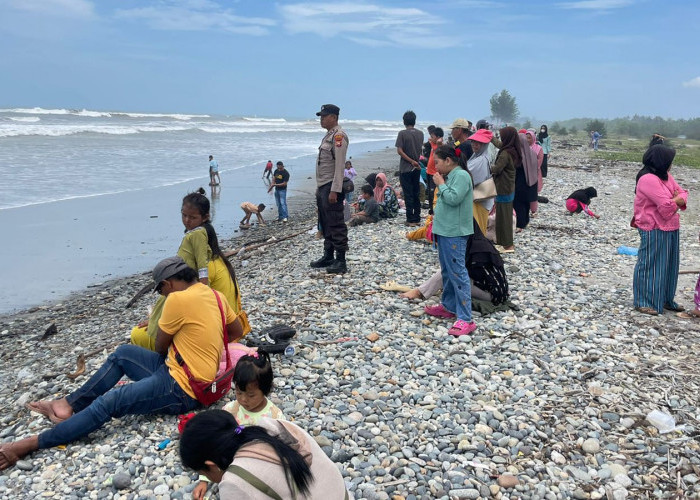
{"x": 338, "y": 140}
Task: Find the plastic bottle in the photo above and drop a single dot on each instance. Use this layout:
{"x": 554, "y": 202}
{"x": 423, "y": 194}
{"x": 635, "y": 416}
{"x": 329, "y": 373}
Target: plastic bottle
{"x": 623, "y": 250}
{"x": 289, "y": 350}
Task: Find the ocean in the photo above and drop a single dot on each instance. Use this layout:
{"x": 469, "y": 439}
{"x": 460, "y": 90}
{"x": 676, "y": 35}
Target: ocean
{"x": 92, "y": 195}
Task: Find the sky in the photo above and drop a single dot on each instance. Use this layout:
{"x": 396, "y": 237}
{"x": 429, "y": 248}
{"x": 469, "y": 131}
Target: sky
{"x": 374, "y": 59}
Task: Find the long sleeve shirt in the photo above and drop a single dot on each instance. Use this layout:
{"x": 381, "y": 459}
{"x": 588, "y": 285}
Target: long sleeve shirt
{"x": 654, "y": 207}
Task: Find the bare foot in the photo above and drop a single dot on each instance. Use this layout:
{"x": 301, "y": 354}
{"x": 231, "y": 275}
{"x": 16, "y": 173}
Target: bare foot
{"x": 414, "y": 293}
{"x": 11, "y": 452}
{"x": 57, "y": 411}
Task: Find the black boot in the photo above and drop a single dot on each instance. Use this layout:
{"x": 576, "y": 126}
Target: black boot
{"x": 324, "y": 261}
{"x": 338, "y": 266}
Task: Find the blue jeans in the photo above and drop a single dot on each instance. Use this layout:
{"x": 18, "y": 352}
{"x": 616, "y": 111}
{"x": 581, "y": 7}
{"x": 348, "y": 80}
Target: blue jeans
{"x": 281, "y": 199}
{"x": 456, "y": 287}
{"x": 94, "y": 404}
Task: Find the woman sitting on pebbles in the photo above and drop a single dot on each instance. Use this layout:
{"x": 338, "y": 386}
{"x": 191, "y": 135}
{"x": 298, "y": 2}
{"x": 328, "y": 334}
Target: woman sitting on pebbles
{"x": 657, "y": 200}
{"x": 386, "y": 198}
{"x": 191, "y": 321}
{"x": 486, "y": 272}
{"x": 273, "y": 459}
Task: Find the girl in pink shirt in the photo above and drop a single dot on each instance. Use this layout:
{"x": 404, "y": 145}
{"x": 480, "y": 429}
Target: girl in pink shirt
{"x": 657, "y": 200}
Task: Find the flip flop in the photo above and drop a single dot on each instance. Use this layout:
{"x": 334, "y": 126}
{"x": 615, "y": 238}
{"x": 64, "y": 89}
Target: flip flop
{"x": 506, "y": 250}
{"x": 10, "y": 457}
{"x": 44, "y": 408}
{"x": 393, "y": 286}
{"x": 647, "y": 310}
{"x": 689, "y": 315}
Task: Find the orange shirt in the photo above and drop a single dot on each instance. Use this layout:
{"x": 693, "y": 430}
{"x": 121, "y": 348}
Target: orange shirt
{"x": 431, "y": 170}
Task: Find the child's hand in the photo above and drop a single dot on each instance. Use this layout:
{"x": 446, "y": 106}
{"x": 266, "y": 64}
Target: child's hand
{"x": 597, "y": 216}
{"x": 200, "y": 490}
{"x": 143, "y": 324}
{"x": 438, "y": 179}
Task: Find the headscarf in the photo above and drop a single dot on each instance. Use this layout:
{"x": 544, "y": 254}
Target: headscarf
{"x": 584, "y": 195}
{"x": 379, "y": 191}
{"x": 541, "y": 136}
{"x": 509, "y": 141}
{"x": 485, "y": 266}
{"x": 479, "y": 165}
{"x": 657, "y": 160}
{"x": 534, "y": 146}
{"x": 656, "y": 139}
{"x": 371, "y": 180}
{"x": 529, "y": 160}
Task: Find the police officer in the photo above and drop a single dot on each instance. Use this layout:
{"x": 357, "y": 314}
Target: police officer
{"x": 330, "y": 168}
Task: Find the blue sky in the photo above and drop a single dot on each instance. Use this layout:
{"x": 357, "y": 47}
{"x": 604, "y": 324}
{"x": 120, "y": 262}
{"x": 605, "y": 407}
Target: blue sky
{"x": 375, "y": 59}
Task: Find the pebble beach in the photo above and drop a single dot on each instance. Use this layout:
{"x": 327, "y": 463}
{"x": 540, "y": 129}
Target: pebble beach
{"x": 549, "y": 401}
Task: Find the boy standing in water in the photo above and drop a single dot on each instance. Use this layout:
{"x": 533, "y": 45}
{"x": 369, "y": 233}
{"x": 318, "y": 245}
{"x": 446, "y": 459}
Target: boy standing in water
{"x": 213, "y": 172}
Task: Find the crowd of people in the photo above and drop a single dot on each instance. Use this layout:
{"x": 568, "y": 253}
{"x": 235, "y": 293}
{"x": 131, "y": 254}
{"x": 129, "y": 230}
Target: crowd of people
{"x": 475, "y": 179}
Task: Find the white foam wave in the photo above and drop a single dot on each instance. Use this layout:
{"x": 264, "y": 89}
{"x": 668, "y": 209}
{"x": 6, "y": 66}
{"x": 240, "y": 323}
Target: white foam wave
{"x": 25, "y": 119}
{"x": 64, "y": 130}
{"x": 251, "y": 130}
{"x": 92, "y": 114}
{"x": 175, "y": 116}
{"x": 271, "y": 120}
{"x": 37, "y": 111}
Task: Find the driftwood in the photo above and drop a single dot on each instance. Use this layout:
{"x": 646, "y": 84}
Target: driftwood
{"x": 80, "y": 363}
{"x": 689, "y": 272}
{"x": 146, "y": 288}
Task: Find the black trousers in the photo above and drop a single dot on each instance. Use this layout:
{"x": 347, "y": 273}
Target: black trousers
{"x": 330, "y": 215}
{"x": 410, "y": 184}
{"x": 430, "y": 193}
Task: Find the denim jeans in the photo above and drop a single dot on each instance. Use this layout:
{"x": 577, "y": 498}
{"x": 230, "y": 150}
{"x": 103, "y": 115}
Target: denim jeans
{"x": 281, "y": 199}
{"x": 97, "y": 401}
{"x": 456, "y": 287}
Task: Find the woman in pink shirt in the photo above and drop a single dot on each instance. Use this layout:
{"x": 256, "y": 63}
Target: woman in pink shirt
{"x": 656, "y": 203}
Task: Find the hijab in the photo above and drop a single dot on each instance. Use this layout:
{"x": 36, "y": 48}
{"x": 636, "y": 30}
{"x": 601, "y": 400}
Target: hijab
{"x": 479, "y": 165}
{"x": 657, "y": 160}
{"x": 529, "y": 160}
{"x": 379, "y": 191}
{"x": 534, "y": 146}
{"x": 584, "y": 195}
{"x": 542, "y": 135}
{"x": 371, "y": 179}
{"x": 509, "y": 139}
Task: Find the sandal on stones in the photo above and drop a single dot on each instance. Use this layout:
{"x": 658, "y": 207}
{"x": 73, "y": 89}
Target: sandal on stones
{"x": 462, "y": 327}
{"x": 438, "y": 311}
{"x": 647, "y": 310}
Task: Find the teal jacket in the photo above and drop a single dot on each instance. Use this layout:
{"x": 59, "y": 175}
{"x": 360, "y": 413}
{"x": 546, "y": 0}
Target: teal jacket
{"x": 546, "y": 145}
{"x": 453, "y": 210}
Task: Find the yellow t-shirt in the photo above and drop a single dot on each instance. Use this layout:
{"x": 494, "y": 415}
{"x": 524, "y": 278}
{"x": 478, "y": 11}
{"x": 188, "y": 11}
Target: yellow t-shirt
{"x": 192, "y": 316}
{"x": 220, "y": 279}
{"x": 195, "y": 250}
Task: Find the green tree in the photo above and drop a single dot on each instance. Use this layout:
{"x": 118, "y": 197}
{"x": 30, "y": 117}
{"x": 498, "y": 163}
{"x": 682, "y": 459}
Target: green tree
{"x": 504, "y": 107}
{"x": 527, "y": 124}
{"x": 596, "y": 125}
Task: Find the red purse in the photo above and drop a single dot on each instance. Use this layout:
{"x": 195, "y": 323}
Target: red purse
{"x": 210, "y": 392}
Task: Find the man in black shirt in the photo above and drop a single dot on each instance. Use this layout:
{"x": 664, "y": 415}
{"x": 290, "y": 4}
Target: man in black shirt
{"x": 281, "y": 179}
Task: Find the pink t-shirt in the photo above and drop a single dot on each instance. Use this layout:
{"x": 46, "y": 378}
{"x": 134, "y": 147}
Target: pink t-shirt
{"x": 654, "y": 207}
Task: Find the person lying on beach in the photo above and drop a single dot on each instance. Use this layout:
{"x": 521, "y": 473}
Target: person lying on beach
{"x": 191, "y": 321}
{"x": 249, "y": 210}
{"x": 370, "y": 210}
{"x": 200, "y": 250}
{"x": 579, "y": 201}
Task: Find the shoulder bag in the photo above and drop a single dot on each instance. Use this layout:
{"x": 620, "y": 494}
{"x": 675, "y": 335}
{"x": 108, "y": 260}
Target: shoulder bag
{"x": 210, "y": 392}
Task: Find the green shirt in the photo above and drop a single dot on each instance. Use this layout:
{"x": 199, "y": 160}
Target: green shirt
{"x": 195, "y": 250}
{"x": 453, "y": 210}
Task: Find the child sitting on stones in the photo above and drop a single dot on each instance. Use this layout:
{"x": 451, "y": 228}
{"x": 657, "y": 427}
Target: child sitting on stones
{"x": 252, "y": 379}
{"x": 370, "y": 211}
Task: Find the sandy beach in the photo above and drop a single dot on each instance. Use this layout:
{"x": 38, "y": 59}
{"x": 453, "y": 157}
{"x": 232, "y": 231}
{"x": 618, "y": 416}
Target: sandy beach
{"x": 545, "y": 402}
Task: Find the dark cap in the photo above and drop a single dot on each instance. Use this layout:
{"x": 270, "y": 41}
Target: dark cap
{"x": 482, "y": 124}
{"x": 280, "y": 163}
{"x": 329, "y": 109}
{"x": 167, "y": 268}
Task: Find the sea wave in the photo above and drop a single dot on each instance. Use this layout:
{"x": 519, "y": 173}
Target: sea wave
{"x": 64, "y": 130}
{"x": 175, "y": 116}
{"x": 98, "y": 114}
{"x": 25, "y": 119}
{"x": 255, "y": 119}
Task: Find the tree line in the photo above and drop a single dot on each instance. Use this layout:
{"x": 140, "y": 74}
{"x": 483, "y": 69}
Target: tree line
{"x": 504, "y": 109}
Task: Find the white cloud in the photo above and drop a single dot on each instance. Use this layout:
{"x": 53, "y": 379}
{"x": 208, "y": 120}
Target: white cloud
{"x": 367, "y": 24}
{"x": 62, "y": 8}
{"x": 596, "y": 4}
{"x": 694, "y": 82}
{"x": 197, "y": 15}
